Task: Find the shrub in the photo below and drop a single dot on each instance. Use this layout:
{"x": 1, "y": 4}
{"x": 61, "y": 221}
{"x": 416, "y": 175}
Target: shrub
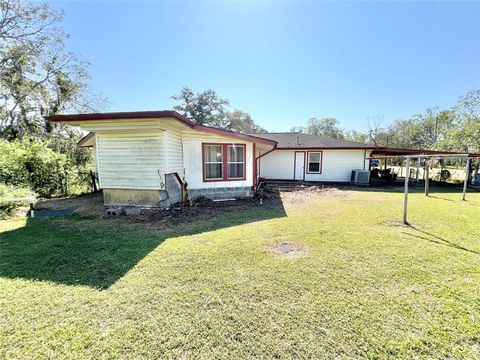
{"x": 31, "y": 164}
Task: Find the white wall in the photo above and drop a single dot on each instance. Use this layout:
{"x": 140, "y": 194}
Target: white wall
{"x": 192, "y": 156}
{"x": 277, "y": 165}
{"x": 337, "y": 165}
{"x": 174, "y": 153}
{"x": 131, "y": 160}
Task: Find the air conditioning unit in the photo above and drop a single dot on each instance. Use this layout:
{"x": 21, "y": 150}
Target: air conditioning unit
{"x": 360, "y": 177}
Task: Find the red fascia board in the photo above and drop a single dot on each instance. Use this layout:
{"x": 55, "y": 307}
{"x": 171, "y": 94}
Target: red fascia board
{"x": 229, "y": 133}
{"x": 121, "y": 116}
{"x": 328, "y": 148}
{"x": 156, "y": 114}
{"x": 385, "y": 150}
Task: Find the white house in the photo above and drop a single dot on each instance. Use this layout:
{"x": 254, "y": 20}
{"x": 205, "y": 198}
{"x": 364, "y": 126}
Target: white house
{"x": 311, "y": 158}
{"x": 153, "y": 158}
{"x": 156, "y": 158}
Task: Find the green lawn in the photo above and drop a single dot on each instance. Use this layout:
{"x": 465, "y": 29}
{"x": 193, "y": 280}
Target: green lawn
{"x": 368, "y": 288}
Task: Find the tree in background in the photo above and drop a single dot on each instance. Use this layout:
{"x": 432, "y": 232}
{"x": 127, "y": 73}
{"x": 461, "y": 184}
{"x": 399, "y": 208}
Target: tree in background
{"x": 464, "y": 135}
{"x": 38, "y": 75}
{"x": 207, "y": 108}
{"x": 324, "y": 127}
{"x": 242, "y": 122}
{"x": 354, "y": 135}
{"x": 204, "y": 108}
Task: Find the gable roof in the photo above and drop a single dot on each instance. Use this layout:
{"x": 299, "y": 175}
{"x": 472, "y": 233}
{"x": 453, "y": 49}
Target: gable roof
{"x": 300, "y": 141}
{"x": 136, "y": 115}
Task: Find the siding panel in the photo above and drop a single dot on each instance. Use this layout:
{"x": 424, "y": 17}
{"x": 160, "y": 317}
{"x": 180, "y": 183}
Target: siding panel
{"x": 132, "y": 161}
{"x": 337, "y": 165}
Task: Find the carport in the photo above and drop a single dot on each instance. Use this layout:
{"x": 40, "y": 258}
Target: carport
{"x": 407, "y": 155}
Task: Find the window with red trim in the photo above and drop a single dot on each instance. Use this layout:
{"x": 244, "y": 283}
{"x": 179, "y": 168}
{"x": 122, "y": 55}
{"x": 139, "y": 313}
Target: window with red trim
{"x": 213, "y": 162}
{"x": 314, "y": 162}
{"x": 222, "y": 162}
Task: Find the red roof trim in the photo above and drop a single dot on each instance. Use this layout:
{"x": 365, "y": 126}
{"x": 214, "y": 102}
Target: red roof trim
{"x": 156, "y": 114}
{"x": 328, "y": 148}
{"x": 121, "y": 116}
{"x": 417, "y": 151}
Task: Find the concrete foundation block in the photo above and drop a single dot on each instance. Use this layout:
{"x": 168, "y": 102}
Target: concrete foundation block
{"x": 114, "y": 212}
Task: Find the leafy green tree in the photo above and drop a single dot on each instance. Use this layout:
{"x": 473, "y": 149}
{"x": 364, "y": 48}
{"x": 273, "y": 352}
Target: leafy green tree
{"x": 38, "y": 75}
{"x": 204, "y": 108}
{"x": 358, "y": 136}
{"x": 207, "y": 108}
{"x": 324, "y": 127}
{"x": 242, "y": 122}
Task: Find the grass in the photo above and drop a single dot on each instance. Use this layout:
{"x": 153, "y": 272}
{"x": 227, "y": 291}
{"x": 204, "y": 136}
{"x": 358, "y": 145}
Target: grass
{"x": 369, "y": 287}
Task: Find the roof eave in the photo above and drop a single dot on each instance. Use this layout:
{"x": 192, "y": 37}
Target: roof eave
{"x": 77, "y": 118}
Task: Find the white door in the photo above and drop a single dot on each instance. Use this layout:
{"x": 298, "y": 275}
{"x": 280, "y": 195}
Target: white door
{"x": 299, "y": 165}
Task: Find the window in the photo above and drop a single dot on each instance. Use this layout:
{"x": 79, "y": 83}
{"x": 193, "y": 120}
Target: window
{"x": 213, "y": 157}
{"x": 314, "y": 162}
{"x": 236, "y": 161}
{"x": 223, "y": 162}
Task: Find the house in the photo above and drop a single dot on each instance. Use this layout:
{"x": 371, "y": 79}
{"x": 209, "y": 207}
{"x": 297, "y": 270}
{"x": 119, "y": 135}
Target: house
{"x": 155, "y": 158}
{"x": 311, "y": 158}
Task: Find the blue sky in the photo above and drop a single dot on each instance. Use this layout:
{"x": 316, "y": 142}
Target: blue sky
{"x": 283, "y": 62}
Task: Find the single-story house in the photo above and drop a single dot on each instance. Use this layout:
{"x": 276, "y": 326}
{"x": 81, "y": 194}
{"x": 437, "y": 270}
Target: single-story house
{"x": 155, "y": 158}
{"x": 303, "y": 157}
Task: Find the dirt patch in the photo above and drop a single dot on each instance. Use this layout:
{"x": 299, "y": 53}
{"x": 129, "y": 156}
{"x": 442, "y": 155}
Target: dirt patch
{"x": 201, "y": 211}
{"x": 86, "y": 205}
{"x": 288, "y": 250}
{"x": 190, "y": 214}
{"x": 302, "y": 194}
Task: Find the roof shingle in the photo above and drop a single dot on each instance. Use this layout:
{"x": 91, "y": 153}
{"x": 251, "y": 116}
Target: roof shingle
{"x": 299, "y": 140}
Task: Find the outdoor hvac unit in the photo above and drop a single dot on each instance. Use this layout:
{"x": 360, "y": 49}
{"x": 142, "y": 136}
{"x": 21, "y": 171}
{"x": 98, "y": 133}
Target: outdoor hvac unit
{"x": 360, "y": 177}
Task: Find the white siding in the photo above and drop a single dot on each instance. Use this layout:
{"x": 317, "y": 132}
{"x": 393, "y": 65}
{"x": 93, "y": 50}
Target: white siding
{"x": 337, "y": 165}
{"x": 131, "y": 160}
{"x": 277, "y": 165}
{"x": 174, "y": 153}
{"x": 192, "y": 157}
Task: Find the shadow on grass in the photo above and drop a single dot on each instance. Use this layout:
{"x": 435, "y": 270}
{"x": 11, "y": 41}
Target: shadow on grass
{"x": 437, "y": 239}
{"x": 439, "y": 198}
{"x": 79, "y": 251}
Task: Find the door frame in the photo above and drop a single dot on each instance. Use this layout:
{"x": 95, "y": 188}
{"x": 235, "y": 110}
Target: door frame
{"x": 295, "y": 164}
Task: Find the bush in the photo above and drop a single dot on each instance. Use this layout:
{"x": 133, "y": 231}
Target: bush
{"x": 7, "y": 193}
{"x": 31, "y": 164}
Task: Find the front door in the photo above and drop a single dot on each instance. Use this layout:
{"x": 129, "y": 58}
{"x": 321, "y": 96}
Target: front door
{"x": 299, "y": 167}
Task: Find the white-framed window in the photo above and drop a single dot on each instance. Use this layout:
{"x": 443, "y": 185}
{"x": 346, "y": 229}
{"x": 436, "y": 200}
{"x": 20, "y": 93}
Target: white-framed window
{"x": 314, "y": 162}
